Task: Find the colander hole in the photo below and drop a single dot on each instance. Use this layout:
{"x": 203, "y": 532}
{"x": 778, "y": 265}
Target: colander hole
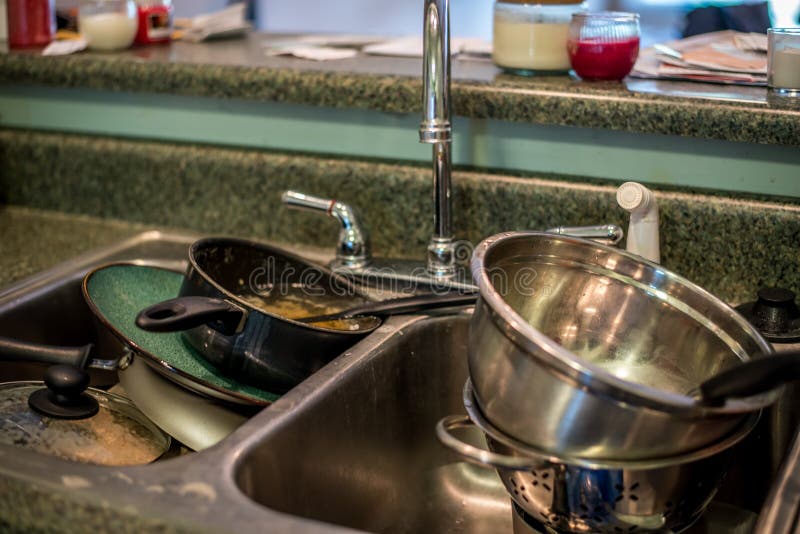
{"x": 618, "y": 529}
{"x": 535, "y": 483}
{"x": 583, "y": 517}
{"x": 619, "y": 487}
{"x": 513, "y": 482}
{"x": 631, "y": 528}
{"x": 633, "y": 487}
{"x": 598, "y": 509}
{"x": 584, "y": 508}
{"x": 524, "y": 498}
{"x": 546, "y": 487}
{"x": 522, "y": 488}
{"x": 619, "y": 498}
{"x": 545, "y": 475}
{"x": 634, "y": 498}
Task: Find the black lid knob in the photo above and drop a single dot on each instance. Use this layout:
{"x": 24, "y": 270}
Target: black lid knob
{"x": 64, "y": 397}
{"x": 775, "y": 310}
{"x": 776, "y": 296}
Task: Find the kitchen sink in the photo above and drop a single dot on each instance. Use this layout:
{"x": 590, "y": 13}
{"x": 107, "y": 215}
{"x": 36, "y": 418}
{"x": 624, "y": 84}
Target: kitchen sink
{"x": 350, "y": 448}
{"x": 362, "y": 452}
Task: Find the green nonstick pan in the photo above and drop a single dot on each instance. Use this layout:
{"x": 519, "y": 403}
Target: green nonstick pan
{"x": 115, "y": 294}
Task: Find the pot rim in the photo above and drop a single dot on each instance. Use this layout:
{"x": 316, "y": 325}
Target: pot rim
{"x": 721, "y": 445}
{"x": 211, "y": 241}
{"x": 593, "y": 377}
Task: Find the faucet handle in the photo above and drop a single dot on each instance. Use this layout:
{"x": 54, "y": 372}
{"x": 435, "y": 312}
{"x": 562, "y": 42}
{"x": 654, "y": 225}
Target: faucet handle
{"x": 610, "y": 234}
{"x": 301, "y": 201}
{"x": 353, "y": 249}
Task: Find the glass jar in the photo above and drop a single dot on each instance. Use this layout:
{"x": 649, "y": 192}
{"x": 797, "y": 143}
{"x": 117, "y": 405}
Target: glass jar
{"x": 155, "y": 21}
{"x": 783, "y": 70}
{"x": 108, "y": 25}
{"x": 30, "y": 22}
{"x": 604, "y": 45}
{"x": 531, "y": 37}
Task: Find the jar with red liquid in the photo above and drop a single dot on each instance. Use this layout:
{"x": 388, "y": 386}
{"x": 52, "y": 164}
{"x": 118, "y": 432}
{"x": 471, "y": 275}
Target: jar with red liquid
{"x": 30, "y": 22}
{"x": 155, "y": 21}
{"x": 603, "y": 46}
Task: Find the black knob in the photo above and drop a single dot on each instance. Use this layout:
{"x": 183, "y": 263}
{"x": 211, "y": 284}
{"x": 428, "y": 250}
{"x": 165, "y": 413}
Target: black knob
{"x": 64, "y": 397}
{"x": 65, "y": 381}
{"x": 776, "y": 296}
{"x": 775, "y": 310}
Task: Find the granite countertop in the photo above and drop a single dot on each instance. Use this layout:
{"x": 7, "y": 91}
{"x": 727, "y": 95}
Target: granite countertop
{"x": 240, "y": 69}
{"x": 33, "y": 240}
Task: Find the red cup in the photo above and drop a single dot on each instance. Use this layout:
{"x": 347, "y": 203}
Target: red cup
{"x": 603, "y": 46}
{"x": 30, "y": 22}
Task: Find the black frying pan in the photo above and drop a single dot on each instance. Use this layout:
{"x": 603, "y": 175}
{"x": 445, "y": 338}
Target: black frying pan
{"x": 224, "y": 310}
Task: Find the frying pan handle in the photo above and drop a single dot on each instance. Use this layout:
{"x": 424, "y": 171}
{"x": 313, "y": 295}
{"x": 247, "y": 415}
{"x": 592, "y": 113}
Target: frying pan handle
{"x": 751, "y": 378}
{"x": 21, "y": 351}
{"x": 413, "y": 304}
{"x": 184, "y": 313}
{"x": 478, "y": 456}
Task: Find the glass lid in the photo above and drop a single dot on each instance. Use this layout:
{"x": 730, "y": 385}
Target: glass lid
{"x": 118, "y": 434}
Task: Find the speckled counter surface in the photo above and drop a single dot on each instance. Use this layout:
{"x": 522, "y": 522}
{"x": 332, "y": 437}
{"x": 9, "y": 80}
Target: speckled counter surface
{"x": 240, "y": 69}
{"x": 33, "y": 240}
{"x": 731, "y": 246}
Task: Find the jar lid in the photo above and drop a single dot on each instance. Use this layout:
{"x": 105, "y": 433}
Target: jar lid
{"x": 118, "y": 434}
{"x": 542, "y": 2}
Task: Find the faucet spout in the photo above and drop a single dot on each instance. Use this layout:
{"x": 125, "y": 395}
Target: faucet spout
{"x": 436, "y": 129}
{"x": 435, "y": 126}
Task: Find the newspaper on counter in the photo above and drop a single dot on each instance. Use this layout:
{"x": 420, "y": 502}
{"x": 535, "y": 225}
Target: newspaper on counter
{"x": 722, "y": 57}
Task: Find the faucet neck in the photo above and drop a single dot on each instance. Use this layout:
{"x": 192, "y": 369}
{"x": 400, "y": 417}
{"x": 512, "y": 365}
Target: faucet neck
{"x": 436, "y": 129}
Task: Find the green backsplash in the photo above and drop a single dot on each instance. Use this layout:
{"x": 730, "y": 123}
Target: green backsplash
{"x": 730, "y": 246}
{"x": 671, "y": 160}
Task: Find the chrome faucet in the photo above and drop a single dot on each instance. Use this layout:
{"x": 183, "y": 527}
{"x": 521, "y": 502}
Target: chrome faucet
{"x": 353, "y": 250}
{"x": 436, "y": 129}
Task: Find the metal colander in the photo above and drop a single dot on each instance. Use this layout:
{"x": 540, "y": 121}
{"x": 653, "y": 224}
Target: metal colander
{"x": 587, "y": 351}
{"x": 584, "y": 495}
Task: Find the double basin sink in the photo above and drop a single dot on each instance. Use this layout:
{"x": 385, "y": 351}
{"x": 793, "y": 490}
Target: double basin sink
{"x": 352, "y": 447}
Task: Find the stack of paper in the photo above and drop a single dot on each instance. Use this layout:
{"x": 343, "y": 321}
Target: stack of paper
{"x": 331, "y": 47}
{"x": 722, "y": 57}
{"x": 228, "y": 22}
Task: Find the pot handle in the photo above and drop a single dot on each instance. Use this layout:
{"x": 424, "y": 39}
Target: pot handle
{"x": 184, "y": 313}
{"x": 751, "y": 378}
{"x": 476, "y": 455}
{"x": 16, "y": 351}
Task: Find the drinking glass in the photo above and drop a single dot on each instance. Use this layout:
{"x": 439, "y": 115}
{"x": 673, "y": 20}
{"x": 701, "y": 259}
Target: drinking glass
{"x": 603, "y": 45}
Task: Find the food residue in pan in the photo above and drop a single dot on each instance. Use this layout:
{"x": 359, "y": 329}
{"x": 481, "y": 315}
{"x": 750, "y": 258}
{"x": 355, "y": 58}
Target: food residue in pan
{"x": 294, "y": 304}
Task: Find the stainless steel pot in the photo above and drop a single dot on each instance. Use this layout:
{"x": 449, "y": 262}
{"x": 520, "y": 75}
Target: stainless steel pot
{"x": 587, "y": 351}
{"x": 580, "y": 495}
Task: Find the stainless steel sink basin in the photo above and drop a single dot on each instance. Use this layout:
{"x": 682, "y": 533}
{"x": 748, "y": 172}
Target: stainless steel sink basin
{"x": 362, "y": 452}
{"x": 352, "y": 447}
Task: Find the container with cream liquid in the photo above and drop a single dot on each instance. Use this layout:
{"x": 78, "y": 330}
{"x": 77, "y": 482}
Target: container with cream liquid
{"x": 784, "y": 61}
{"x": 531, "y": 38}
{"x": 108, "y": 25}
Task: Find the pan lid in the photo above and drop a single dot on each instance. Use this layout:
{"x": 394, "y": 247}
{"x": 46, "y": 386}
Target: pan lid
{"x": 63, "y": 420}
